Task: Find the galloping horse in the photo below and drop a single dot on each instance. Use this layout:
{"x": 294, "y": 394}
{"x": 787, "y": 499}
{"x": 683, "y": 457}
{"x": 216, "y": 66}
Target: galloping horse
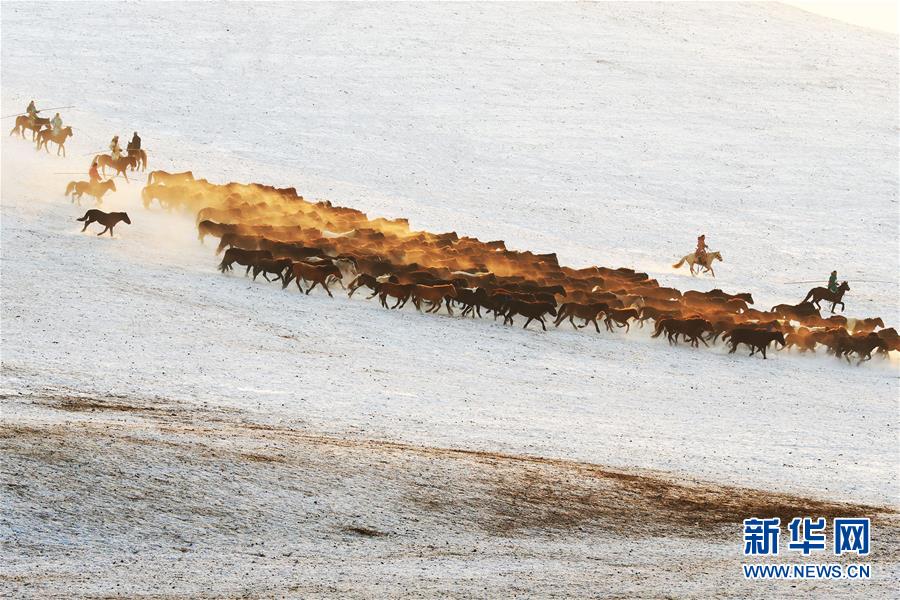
{"x": 120, "y": 165}
{"x": 47, "y": 135}
{"x": 23, "y": 123}
{"x": 96, "y": 190}
{"x": 108, "y": 220}
{"x": 705, "y": 264}
{"x": 140, "y": 159}
{"x": 169, "y": 178}
{"x": 817, "y": 294}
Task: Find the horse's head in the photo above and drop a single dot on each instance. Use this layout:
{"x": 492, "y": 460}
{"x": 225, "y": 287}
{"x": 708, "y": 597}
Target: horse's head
{"x": 716, "y": 255}
{"x": 111, "y": 184}
{"x": 67, "y": 131}
{"x": 779, "y": 337}
{"x": 844, "y": 287}
{"x": 125, "y": 218}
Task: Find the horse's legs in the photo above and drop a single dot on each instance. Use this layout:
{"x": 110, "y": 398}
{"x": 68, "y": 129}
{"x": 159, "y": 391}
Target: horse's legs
{"x": 86, "y": 223}
{"x": 527, "y": 322}
{"x": 449, "y": 310}
{"x": 325, "y": 285}
{"x": 104, "y": 231}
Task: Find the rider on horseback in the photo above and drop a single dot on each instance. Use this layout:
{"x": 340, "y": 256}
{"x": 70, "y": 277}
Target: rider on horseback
{"x": 832, "y": 282}
{"x": 114, "y": 149}
{"x": 700, "y": 253}
{"x": 56, "y": 124}
{"x": 94, "y": 173}
{"x": 134, "y": 144}
{"x": 32, "y": 112}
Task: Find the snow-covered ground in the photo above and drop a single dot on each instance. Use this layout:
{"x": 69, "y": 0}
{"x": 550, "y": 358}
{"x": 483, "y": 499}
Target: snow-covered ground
{"x": 611, "y": 134}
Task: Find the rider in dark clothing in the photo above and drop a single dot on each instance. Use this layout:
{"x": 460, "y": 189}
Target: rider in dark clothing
{"x": 134, "y": 144}
{"x": 832, "y": 282}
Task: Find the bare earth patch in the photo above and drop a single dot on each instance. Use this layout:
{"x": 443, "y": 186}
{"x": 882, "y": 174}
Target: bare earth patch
{"x": 151, "y": 496}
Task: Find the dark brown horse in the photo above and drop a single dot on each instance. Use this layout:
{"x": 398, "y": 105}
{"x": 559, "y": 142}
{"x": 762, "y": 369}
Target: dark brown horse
{"x": 271, "y": 266}
{"x": 47, "y": 135}
{"x": 242, "y": 257}
{"x": 861, "y": 345}
{"x": 23, "y": 122}
{"x": 96, "y": 190}
{"x": 621, "y": 317}
{"x": 817, "y": 294}
{"x": 692, "y": 330}
{"x": 108, "y": 220}
{"x": 757, "y": 339}
{"x": 532, "y": 310}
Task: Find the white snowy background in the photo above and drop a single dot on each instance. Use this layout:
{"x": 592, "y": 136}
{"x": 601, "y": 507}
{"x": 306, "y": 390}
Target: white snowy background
{"x": 612, "y": 134}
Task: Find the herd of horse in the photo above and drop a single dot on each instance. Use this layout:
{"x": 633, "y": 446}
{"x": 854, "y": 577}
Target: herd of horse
{"x": 276, "y": 233}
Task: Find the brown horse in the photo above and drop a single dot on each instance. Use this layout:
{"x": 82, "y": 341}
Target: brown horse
{"x": 434, "y": 295}
{"x": 588, "y": 312}
{"x": 817, "y": 294}
{"x": 47, "y": 135}
{"x": 166, "y": 196}
{"x": 166, "y": 178}
{"x": 317, "y": 274}
{"x": 140, "y": 159}
{"x": 400, "y": 291}
{"x": 96, "y": 190}
{"x": 108, "y": 220}
{"x": 120, "y": 164}
{"x": 23, "y": 122}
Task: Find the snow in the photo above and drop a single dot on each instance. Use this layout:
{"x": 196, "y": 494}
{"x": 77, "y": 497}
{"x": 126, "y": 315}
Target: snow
{"x": 609, "y": 133}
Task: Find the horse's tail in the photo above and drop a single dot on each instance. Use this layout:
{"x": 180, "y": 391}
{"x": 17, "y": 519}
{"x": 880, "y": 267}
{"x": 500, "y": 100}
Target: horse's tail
{"x": 657, "y": 330}
{"x": 84, "y": 218}
{"x": 679, "y": 263}
{"x": 71, "y": 187}
{"x": 808, "y": 296}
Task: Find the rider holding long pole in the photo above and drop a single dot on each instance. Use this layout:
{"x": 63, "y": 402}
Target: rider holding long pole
{"x": 32, "y": 112}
